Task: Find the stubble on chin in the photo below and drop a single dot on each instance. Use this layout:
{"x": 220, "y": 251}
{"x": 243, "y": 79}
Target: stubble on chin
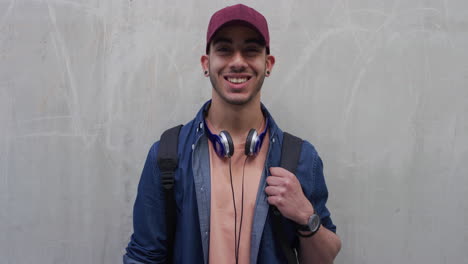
{"x": 238, "y": 101}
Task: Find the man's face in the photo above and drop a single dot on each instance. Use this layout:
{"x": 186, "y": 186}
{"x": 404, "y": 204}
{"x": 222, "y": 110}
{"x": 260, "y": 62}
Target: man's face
{"x": 237, "y": 63}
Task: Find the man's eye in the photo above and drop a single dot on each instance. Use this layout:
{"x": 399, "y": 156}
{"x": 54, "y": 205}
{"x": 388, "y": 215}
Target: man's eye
{"x": 252, "y": 51}
{"x": 223, "y": 49}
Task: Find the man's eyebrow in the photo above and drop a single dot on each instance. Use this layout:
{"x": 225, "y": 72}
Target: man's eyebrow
{"x": 255, "y": 40}
{"x": 221, "y": 39}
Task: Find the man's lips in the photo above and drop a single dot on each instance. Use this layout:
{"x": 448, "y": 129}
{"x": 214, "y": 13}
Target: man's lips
{"x": 237, "y": 79}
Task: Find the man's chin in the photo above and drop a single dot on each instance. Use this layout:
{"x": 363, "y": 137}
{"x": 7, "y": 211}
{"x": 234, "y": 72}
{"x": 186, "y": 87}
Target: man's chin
{"x": 237, "y": 101}
{"x": 240, "y": 99}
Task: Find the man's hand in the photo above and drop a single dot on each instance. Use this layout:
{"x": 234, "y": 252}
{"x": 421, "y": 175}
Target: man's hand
{"x": 284, "y": 191}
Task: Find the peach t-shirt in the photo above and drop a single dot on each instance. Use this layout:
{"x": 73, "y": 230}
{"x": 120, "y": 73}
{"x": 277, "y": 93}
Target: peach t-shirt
{"x": 222, "y": 248}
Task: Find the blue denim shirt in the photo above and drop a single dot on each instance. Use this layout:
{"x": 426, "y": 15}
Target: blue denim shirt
{"x": 192, "y": 196}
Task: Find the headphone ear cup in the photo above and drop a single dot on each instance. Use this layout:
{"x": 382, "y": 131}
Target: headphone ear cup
{"x": 251, "y": 142}
{"x": 228, "y": 144}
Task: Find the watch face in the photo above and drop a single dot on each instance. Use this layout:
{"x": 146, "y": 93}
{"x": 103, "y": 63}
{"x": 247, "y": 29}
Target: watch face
{"x": 314, "y": 222}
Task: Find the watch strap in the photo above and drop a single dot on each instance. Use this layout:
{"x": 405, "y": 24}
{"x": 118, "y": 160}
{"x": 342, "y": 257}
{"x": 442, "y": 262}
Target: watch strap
{"x": 306, "y": 235}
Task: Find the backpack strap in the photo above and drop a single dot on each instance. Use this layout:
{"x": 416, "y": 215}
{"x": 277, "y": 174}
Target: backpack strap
{"x": 290, "y": 153}
{"x": 168, "y": 161}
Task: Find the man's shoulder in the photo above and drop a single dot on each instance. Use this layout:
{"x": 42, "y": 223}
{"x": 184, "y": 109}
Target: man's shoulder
{"x": 185, "y": 134}
{"x": 309, "y": 158}
{"x": 309, "y": 149}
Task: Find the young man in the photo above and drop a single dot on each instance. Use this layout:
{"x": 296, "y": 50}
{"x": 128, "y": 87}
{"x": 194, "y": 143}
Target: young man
{"x": 228, "y": 174}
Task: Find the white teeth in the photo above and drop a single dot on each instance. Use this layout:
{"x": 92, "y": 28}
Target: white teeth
{"x": 237, "y": 80}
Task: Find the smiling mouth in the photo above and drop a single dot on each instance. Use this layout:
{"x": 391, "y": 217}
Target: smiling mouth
{"x": 237, "y": 80}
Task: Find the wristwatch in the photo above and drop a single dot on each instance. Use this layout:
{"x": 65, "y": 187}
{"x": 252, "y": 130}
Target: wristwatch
{"x": 313, "y": 225}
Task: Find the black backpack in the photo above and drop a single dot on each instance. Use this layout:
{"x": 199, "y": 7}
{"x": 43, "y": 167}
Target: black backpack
{"x": 168, "y": 161}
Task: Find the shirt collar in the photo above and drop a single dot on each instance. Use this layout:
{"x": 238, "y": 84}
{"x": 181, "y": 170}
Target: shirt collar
{"x": 200, "y": 115}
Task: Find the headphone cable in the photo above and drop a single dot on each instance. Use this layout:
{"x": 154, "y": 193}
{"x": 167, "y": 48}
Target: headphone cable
{"x": 242, "y": 207}
{"x": 236, "y": 251}
{"x": 237, "y": 237}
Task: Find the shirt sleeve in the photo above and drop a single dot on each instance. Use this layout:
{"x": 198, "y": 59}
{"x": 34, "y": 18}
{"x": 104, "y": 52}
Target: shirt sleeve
{"x": 313, "y": 183}
{"x": 147, "y": 244}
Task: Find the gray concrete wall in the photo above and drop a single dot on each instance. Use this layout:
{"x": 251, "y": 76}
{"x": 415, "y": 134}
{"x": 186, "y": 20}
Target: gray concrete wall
{"x": 380, "y": 88}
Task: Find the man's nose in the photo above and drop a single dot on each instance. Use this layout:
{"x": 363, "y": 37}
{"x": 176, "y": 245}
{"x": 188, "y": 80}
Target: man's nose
{"x": 238, "y": 62}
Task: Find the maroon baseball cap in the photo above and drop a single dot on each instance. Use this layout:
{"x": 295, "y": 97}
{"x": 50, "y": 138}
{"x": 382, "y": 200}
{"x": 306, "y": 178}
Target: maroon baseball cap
{"x": 242, "y": 14}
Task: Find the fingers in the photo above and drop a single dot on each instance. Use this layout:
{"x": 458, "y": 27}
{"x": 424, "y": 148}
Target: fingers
{"x": 274, "y": 190}
{"x": 277, "y": 201}
{"x": 279, "y": 176}
{"x": 281, "y": 184}
{"x": 274, "y": 181}
{"x": 280, "y": 172}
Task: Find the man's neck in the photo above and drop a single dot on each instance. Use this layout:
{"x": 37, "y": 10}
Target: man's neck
{"x": 236, "y": 119}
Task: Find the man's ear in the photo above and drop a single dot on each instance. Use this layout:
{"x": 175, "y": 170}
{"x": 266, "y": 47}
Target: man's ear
{"x": 270, "y": 62}
{"x": 205, "y": 64}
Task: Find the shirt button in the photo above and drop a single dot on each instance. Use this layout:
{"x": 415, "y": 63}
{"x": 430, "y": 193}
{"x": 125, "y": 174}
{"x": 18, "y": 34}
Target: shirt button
{"x": 201, "y": 189}
{"x": 193, "y": 146}
{"x": 201, "y": 125}
{"x": 273, "y": 140}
